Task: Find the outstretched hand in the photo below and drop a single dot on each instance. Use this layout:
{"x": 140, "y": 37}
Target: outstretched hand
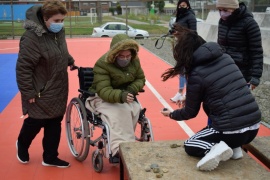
{"x": 165, "y": 112}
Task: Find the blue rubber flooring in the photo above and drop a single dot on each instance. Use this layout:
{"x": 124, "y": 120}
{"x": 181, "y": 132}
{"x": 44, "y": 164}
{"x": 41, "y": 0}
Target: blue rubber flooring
{"x": 8, "y": 85}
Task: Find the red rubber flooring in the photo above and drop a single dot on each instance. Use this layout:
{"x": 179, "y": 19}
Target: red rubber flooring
{"x": 86, "y": 52}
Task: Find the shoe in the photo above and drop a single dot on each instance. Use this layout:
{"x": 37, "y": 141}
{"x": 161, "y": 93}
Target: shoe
{"x": 115, "y": 159}
{"x": 237, "y": 153}
{"x": 177, "y": 97}
{"x": 57, "y": 163}
{"x": 22, "y": 155}
{"x": 219, "y": 152}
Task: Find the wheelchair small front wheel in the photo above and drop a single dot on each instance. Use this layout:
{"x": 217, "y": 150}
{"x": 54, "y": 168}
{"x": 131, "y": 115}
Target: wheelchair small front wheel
{"x": 97, "y": 161}
{"x": 77, "y": 129}
{"x": 143, "y": 131}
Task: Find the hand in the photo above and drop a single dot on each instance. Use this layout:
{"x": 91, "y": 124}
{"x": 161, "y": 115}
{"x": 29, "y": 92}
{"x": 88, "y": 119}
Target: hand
{"x": 165, "y": 112}
{"x": 31, "y": 100}
{"x": 130, "y": 98}
{"x": 252, "y": 87}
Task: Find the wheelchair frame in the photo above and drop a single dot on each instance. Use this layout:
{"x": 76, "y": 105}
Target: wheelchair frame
{"x": 81, "y": 123}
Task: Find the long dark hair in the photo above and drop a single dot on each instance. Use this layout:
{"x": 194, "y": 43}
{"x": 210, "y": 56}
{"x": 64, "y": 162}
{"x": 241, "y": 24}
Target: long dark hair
{"x": 187, "y": 41}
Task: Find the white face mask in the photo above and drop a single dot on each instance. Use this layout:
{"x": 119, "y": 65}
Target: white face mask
{"x": 224, "y": 14}
{"x": 123, "y": 62}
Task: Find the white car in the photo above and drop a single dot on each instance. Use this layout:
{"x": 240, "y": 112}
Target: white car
{"x": 110, "y": 29}
{"x": 172, "y": 20}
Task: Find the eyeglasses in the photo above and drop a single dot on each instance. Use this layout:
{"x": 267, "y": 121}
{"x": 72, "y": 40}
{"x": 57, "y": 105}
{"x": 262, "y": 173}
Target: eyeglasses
{"x": 124, "y": 57}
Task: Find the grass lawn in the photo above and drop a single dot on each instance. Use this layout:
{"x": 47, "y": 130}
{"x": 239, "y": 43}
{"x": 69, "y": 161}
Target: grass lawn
{"x": 81, "y": 25}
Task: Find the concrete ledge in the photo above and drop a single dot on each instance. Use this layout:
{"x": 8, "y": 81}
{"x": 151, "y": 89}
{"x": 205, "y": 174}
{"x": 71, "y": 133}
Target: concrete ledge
{"x": 263, "y": 19}
{"x": 209, "y": 32}
{"x": 259, "y": 147}
{"x": 135, "y": 156}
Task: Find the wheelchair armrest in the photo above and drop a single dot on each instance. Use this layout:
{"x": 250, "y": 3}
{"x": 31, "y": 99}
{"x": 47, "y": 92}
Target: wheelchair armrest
{"x": 86, "y": 93}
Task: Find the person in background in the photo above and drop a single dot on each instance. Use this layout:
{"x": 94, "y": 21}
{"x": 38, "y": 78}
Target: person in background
{"x": 42, "y": 78}
{"x": 240, "y": 37}
{"x": 186, "y": 18}
{"x": 118, "y": 77}
{"x": 214, "y": 80}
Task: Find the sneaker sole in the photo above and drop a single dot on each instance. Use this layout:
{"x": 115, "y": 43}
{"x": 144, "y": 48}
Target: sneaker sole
{"x": 51, "y": 165}
{"x": 23, "y": 162}
{"x": 212, "y": 163}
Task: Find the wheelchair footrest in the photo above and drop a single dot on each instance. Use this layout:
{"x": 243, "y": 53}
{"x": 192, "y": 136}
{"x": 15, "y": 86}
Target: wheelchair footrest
{"x": 114, "y": 159}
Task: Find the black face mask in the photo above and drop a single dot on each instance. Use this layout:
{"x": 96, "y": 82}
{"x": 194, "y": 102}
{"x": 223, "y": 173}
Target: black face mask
{"x": 182, "y": 10}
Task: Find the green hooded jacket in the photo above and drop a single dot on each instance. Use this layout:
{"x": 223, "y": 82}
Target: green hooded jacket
{"x": 111, "y": 82}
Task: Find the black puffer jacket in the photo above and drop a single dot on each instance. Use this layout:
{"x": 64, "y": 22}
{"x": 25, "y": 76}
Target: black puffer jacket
{"x": 187, "y": 20}
{"x": 240, "y": 37}
{"x": 216, "y": 82}
{"x": 41, "y": 69}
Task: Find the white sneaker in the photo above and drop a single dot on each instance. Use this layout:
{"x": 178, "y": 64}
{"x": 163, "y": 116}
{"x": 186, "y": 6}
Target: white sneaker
{"x": 237, "y": 153}
{"x": 177, "y": 97}
{"x": 219, "y": 152}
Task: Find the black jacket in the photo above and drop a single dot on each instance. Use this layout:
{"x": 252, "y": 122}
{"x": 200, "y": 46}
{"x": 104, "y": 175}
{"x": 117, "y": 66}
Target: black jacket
{"x": 240, "y": 37}
{"x": 216, "y": 81}
{"x": 187, "y": 20}
{"x": 41, "y": 69}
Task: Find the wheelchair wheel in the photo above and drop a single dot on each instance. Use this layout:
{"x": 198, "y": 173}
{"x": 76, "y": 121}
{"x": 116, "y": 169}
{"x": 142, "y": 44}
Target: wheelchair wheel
{"x": 77, "y": 129}
{"x": 97, "y": 161}
{"x": 143, "y": 131}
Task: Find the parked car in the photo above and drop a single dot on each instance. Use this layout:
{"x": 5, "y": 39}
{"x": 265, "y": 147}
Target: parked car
{"x": 267, "y": 10}
{"x": 172, "y": 20}
{"x": 110, "y": 29}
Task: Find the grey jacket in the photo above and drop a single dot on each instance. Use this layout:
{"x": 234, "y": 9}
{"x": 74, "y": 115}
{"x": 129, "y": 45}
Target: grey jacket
{"x": 41, "y": 69}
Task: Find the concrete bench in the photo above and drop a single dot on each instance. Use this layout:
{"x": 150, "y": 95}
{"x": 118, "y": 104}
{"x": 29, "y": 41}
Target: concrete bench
{"x": 136, "y": 156}
{"x": 260, "y": 148}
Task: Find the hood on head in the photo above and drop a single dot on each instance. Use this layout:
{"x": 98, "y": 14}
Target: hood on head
{"x": 34, "y": 20}
{"x": 119, "y": 43}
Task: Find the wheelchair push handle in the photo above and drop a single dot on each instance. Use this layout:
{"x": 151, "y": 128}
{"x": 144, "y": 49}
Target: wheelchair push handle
{"x": 73, "y": 67}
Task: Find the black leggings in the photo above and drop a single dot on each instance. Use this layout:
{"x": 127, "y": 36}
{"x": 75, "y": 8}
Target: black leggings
{"x": 200, "y": 144}
{"x": 52, "y": 132}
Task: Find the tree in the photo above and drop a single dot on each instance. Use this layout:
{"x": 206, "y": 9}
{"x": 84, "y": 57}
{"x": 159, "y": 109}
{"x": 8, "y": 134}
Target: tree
{"x": 118, "y": 8}
{"x": 158, "y": 4}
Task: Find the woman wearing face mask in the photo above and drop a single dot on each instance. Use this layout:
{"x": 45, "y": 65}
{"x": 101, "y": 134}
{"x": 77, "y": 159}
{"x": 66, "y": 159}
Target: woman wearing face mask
{"x": 186, "y": 18}
{"x": 42, "y": 78}
{"x": 239, "y": 35}
{"x": 118, "y": 77}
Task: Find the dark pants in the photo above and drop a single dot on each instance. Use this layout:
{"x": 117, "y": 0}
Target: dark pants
{"x": 200, "y": 144}
{"x": 52, "y": 131}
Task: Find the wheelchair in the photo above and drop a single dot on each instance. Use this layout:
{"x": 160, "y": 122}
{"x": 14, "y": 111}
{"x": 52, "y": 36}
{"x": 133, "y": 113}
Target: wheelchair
{"x": 81, "y": 124}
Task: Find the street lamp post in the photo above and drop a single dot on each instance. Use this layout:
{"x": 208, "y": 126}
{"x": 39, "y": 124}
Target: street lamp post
{"x": 126, "y": 19}
{"x": 12, "y": 19}
{"x": 70, "y": 28}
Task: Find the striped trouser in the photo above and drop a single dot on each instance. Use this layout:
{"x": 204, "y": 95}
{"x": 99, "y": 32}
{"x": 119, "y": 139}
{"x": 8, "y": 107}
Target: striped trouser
{"x": 200, "y": 144}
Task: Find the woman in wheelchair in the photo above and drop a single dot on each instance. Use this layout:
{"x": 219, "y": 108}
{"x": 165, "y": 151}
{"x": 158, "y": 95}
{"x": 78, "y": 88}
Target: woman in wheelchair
{"x": 118, "y": 77}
